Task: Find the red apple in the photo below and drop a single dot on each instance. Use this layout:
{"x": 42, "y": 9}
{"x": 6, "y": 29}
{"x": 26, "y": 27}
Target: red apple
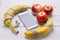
{"x": 42, "y": 17}
{"x": 48, "y": 9}
{"x": 36, "y": 8}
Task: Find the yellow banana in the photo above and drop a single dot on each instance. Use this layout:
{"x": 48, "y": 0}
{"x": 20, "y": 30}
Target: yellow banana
{"x": 42, "y": 30}
{"x": 11, "y": 13}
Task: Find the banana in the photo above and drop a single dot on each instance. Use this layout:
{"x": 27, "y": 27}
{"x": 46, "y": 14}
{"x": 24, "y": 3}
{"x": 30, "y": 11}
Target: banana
{"x": 41, "y": 30}
{"x": 11, "y": 13}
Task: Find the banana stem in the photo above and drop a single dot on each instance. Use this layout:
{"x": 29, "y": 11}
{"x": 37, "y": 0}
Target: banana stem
{"x": 13, "y": 29}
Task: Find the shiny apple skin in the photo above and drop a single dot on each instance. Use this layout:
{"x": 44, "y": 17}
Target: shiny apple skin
{"x": 43, "y": 18}
{"x": 36, "y": 8}
{"x": 48, "y": 9}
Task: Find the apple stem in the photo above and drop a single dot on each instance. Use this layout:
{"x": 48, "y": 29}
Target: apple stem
{"x": 41, "y": 13}
{"x": 47, "y": 7}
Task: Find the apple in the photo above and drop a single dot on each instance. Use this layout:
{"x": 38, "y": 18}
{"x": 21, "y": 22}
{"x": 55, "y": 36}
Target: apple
{"x": 36, "y": 8}
{"x": 42, "y": 17}
{"x": 48, "y": 9}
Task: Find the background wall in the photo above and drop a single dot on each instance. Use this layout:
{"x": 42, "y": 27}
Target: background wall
{"x": 6, "y": 34}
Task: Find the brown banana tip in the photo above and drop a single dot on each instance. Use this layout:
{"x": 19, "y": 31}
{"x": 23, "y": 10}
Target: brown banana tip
{"x": 17, "y": 32}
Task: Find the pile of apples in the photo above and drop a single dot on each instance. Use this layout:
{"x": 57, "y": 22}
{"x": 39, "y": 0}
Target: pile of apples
{"x": 42, "y": 13}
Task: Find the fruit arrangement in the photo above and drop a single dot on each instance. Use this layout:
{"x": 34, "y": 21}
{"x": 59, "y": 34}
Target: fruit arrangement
{"x": 41, "y": 13}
